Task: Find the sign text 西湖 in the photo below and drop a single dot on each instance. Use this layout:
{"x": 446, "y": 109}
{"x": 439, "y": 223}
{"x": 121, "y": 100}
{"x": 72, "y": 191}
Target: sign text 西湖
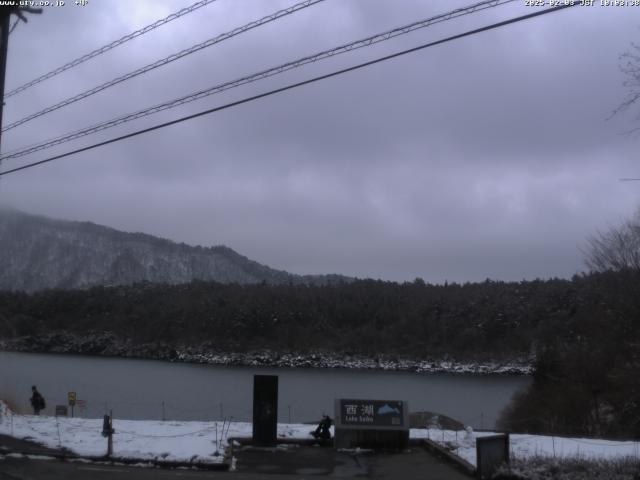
{"x": 379, "y": 413}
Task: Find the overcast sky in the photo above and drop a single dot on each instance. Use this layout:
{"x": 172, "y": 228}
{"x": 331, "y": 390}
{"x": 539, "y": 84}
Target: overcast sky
{"x": 490, "y": 156}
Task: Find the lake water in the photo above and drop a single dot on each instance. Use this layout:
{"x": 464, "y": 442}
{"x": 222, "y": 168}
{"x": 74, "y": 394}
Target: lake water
{"x": 150, "y": 389}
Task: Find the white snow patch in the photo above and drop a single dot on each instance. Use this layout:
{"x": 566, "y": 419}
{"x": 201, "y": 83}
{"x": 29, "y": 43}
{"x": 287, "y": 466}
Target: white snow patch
{"x": 178, "y": 441}
{"x": 523, "y": 446}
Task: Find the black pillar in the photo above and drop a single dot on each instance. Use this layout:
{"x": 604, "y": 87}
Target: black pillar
{"x": 265, "y": 409}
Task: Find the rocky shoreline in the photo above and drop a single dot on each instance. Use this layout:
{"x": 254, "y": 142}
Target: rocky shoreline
{"x": 107, "y": 344}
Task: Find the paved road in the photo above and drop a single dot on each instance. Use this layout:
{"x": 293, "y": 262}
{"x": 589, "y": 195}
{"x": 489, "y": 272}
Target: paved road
{"x": 27, "y": 469}
{"x": 290, "y": 464}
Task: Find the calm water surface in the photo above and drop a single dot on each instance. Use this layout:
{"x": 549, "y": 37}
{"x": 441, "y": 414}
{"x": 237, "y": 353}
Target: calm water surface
{"x": 149, "y": 389}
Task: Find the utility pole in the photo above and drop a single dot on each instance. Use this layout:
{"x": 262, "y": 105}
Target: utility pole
{"x": 4, "y": 38}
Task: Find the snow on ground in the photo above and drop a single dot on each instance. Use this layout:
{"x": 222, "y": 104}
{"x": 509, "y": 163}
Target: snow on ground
{"x": 135, "y": 439}
{"x": 524, "y": 446}
{"x": 199, "y": 441}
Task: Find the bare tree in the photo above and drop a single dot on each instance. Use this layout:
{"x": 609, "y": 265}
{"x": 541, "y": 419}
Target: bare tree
{"x": 630, "y": 66}
{"x": 616, "y": 249}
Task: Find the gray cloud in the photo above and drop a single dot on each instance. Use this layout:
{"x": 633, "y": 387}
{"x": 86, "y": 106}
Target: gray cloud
{"x": 486, "y": 157}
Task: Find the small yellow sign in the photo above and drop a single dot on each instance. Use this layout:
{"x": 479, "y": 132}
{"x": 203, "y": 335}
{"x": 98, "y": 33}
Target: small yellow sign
{"x": 72, "y": 398}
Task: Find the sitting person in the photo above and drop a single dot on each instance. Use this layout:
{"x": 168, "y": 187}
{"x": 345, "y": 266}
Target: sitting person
{"x": 323, "y": 431}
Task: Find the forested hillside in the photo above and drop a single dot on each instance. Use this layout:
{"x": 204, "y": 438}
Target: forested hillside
{"x": 474, "y": 320}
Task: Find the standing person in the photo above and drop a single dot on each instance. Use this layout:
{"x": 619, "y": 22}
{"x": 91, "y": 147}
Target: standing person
{"x": 37, "y": 401}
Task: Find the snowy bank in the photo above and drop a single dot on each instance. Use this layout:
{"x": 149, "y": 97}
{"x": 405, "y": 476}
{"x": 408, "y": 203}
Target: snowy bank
{"x": 525, "y": 446}
{"x": 108, "y": 345}
{"x": 168, "y": 441}
{"x": 329, "y": 360}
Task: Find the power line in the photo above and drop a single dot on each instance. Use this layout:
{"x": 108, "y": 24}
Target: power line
{"x": 294, "y": 85}
{"x": 164, "y": 61}
{"x": 365, "y": 42}
{"x": 110, "y": 46}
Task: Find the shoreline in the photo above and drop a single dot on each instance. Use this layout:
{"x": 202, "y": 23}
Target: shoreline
{"x": 324, "y": 360}
{"x": 106, "y": 345}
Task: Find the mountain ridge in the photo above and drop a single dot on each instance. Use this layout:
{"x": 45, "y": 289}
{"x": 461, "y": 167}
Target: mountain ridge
{"x": 38, "y": 252}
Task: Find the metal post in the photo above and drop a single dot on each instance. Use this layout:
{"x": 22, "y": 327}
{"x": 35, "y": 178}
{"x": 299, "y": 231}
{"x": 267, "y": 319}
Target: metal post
{"x": 58, "y": 428}
{"x": 110, "y": 439}
{"x": 163, "y": 416}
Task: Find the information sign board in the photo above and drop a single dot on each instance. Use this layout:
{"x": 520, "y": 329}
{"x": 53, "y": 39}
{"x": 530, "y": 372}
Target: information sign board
{"x": 369, "y": 423}
{"x": 378, "y": 413}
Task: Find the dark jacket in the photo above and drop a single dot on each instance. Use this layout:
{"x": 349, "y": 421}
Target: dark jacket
{"x": 37, "y": 400}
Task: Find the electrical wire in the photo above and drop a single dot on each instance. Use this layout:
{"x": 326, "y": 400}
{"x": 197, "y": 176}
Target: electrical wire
{"x": 110, "y": 46}
{"x": 365, "y": 42}
{"x": 295, "y": 85}
{"x": 165, "y": 61}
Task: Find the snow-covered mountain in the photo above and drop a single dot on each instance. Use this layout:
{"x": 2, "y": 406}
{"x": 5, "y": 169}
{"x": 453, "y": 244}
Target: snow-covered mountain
{"x": 37, "y": 252}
